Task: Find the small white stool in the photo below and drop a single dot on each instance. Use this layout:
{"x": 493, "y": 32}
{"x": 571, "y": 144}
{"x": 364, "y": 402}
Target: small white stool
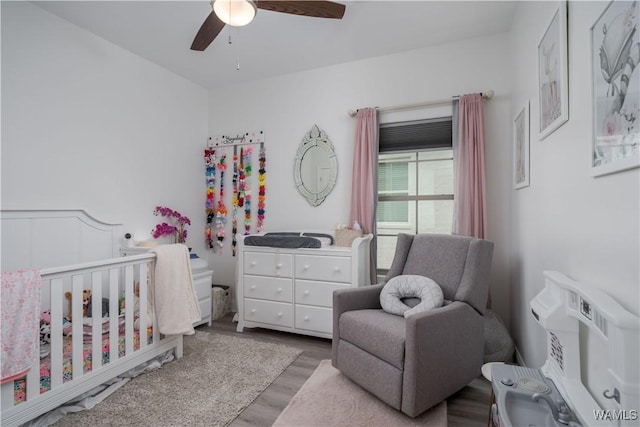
{"x": 486, "y": 373}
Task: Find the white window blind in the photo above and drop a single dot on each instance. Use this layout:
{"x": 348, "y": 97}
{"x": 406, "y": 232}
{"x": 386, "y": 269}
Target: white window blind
{"x": 415, "y": 135}
{"x": 393, "y": 180}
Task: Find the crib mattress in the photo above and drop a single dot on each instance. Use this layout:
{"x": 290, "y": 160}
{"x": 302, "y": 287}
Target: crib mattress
{"x": 20, "y": 386}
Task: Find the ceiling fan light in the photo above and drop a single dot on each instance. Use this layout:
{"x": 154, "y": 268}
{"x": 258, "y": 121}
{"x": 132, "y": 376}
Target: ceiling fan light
{"x": 235, "y": 12}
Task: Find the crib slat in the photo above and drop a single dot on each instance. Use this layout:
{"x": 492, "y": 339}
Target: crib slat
{"x": 6, "y": 395}
{"x": 57, "y": 295}
{"x": 142, "y": 297}
{"x": 152, "y": 284}
{"x": 77, "y": 286}
{"x": 129, "y": 308}
{"x": 96, "y": 314}
{"x": 114, "y": 306}
{"x": 33, "y": 381}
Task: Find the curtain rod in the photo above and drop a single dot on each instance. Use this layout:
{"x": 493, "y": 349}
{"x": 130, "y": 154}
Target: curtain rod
{"x": 485, "y": 95}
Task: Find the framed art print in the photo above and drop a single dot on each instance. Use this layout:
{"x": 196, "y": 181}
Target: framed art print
{"x": 615, "y": 55}
{"x": 521, "y": 148}
{"x": 553, "y": 82}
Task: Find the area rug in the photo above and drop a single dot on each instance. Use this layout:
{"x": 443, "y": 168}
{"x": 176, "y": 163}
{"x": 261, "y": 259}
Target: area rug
{"x": 216, "y": 379}
{"x": 328, "y": 398}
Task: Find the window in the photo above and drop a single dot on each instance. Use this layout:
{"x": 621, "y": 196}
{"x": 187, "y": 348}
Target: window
{"x": 393, "y": 180}
{"x": 415, "y": 193}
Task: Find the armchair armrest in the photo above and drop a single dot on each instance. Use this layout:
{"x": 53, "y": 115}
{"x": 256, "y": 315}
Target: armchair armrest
{"x": 357, "y": 298}
{"x": 443, "y": 353}
{"x": 366, "y": 297}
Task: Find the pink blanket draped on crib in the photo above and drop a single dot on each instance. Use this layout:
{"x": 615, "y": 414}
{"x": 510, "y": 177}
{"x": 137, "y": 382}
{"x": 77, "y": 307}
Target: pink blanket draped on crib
{"x": 20, "y": 304}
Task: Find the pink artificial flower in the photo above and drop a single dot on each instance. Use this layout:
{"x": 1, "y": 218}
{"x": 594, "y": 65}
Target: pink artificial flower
{"x": 178, "y": 229}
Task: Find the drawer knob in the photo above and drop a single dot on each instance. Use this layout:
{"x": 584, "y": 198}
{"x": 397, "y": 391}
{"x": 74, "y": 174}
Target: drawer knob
{"x": 280, "y": 314}
{"x": 253, "y": 310}
{"x": 306, "y": 292}
{"x": 306, "y": 318}
{"x": 278, "y": 265}
{"x": 253, "y": 263}
{"x": 279, "y": 290}
{"x": 253, "y": 287}
{"x": 337, "y": 269}
{"x": 306, "y": 267}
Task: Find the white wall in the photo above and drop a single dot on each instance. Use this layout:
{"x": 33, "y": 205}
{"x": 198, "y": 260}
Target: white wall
{"x": 286, "y": 107}
{"x": 585, "y": 227}
{"x": 86, "y": 124}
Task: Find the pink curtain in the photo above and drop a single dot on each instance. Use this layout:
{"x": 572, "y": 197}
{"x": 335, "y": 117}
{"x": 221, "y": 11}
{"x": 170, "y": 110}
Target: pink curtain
{"x": 470, "y": 210}
{"x": 363, "y": 183}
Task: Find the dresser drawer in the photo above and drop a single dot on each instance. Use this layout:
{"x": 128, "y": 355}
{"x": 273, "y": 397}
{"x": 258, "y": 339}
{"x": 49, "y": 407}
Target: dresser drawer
{"x": 314, "y": 319}
{"x": 311, "y": 292}
{"x": 269, "y": 288}
{"x": 329, "y": 268}
{"x": 268, "y": 264}
{"x": 274, "y": 313}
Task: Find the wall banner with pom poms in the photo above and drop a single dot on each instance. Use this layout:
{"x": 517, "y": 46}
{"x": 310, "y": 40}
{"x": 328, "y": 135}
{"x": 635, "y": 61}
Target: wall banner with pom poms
{"x": 221, "y": 213}
{"x": 246, "y": 162}
{"x": 256, "y": 137}
{"x": 241, "y": 197}
{"x": 210, "y": 207}
{"x": 261, "y": 188}
{"x": 234, "y": 202}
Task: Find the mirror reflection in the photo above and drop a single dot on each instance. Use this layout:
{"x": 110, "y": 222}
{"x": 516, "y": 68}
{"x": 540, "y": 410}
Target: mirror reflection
{"x": 316, "y": 166}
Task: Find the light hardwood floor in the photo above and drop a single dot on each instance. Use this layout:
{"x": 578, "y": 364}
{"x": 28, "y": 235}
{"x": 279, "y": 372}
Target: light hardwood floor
{"x": 467, "y": 408}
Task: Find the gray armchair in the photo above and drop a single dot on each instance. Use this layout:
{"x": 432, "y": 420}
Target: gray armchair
{"x": 414, "y": 363}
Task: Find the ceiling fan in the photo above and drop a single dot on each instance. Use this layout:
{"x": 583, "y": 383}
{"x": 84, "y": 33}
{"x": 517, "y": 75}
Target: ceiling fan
{"x": 241, "y": 12}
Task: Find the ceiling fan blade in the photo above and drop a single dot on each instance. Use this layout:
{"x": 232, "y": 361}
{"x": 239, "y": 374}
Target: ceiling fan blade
{"x": 317, "y": 9}
{"x": 210, "y": 28}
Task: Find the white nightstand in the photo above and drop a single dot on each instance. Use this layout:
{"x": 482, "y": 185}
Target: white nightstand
{"x": 202, "y": 278}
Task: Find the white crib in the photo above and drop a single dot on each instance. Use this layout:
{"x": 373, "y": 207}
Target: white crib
{"x": 131, "y": 337}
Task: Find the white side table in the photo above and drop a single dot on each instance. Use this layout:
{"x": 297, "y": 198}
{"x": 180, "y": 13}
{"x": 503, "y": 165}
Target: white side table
{"x": 486, "y": 369}
{"x": 486, "y": 373}
{"x": 202, "y": 277}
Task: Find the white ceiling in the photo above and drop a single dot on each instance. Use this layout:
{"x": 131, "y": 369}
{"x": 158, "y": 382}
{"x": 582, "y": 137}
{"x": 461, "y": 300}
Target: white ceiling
{"x": 278, "y": 43}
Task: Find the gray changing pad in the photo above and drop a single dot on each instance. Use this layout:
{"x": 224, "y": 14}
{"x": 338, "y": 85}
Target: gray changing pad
{"x": 288, "y": 240}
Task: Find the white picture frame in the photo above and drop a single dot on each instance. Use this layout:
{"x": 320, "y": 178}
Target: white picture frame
{"x": 521, "y": 147}
{"x": 553, "y": 78}
{"x": 615, "y": 86}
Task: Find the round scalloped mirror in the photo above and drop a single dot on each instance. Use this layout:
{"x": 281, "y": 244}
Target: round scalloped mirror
{"x": 316, "y": 167}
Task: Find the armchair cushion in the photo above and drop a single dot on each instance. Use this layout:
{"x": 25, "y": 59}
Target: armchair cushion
{"x": 460, "y": 265}
{"x": 376, "y": 332}
{"x": 410, "y": 286}
{"x": 440, "y": 257}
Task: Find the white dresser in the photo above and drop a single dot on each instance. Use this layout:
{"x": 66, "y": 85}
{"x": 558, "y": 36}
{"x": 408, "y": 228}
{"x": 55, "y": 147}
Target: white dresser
{"x": 292, "y": 289}
{"x": 202, "y": 277}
